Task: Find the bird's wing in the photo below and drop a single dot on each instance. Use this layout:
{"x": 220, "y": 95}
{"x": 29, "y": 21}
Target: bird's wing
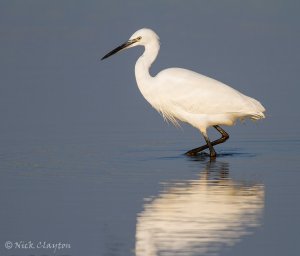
{"x": 198, "y": 94}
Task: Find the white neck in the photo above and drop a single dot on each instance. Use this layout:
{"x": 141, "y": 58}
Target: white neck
{"x": 144, "y": 63}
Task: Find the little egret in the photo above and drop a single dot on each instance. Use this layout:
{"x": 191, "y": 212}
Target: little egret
{"x": 183, "y": 95}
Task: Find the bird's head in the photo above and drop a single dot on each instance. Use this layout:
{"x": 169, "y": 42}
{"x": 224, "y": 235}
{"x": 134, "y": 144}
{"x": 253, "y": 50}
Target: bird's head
{"x": 141, "y": 37}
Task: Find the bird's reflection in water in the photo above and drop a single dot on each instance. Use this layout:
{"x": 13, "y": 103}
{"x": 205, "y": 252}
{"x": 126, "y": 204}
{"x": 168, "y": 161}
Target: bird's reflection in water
{"x": 199, "y": 217}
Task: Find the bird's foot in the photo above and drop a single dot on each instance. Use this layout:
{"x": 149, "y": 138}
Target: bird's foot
{"x": 213, "y": 155}
{"x": 195, "y": 151}
{"x": 192, "y": 153}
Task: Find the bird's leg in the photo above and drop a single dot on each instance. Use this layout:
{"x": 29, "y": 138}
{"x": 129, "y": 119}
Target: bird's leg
{"x": 212, "y": 151}
{"x": 224, "y": 137}
{"x": 224, "y": 134}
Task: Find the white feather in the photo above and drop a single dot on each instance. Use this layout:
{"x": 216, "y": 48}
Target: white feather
{"x": 183, "y": 95}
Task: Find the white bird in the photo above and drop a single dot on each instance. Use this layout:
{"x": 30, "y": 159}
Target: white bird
{"x": 184, "y": 95}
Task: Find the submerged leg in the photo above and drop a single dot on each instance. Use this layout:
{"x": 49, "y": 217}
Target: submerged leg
{"x": 224, "y": 137}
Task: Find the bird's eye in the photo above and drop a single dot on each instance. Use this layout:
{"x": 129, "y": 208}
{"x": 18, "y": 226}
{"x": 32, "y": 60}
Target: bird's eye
{"x": 139, "y": 38}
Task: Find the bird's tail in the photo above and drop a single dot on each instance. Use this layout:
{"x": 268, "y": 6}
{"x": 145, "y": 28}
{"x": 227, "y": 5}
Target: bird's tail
{"x": 257, "y": 109}
{"x": 257, "y": 116}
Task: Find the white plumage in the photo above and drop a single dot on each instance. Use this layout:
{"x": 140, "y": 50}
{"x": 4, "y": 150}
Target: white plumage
{"x": 183, "y": 95}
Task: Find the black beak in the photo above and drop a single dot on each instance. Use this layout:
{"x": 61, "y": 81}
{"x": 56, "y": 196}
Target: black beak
{"x": 119, "y": 48}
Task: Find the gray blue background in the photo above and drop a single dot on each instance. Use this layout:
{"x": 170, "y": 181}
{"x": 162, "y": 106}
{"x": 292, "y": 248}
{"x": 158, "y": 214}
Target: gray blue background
{"x": 80, "y": 148}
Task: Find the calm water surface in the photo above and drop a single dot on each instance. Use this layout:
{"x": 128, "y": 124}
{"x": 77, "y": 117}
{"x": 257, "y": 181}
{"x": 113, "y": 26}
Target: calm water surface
{"x": 134, "y": 193}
